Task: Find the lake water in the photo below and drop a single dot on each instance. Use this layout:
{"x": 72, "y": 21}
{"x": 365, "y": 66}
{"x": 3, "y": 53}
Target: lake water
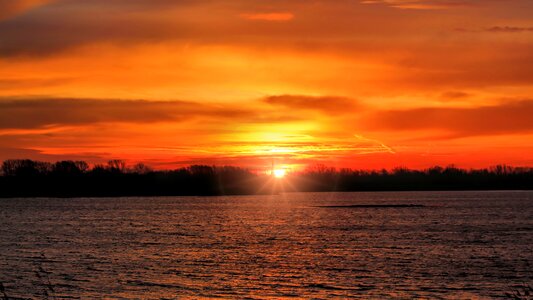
{"x": 459, "y": 245}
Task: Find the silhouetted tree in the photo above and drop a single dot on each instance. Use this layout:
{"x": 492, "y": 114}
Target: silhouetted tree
{"x": 141, "y": 168}
{"x": 69, "y": 167}
{"x": 116, "y": 166}
{"x": 28, "y": 178}
{"x": 25, "y": 167}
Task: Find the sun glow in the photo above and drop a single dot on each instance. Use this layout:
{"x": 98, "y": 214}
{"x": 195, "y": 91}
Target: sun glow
{"x": 279, "y": 173}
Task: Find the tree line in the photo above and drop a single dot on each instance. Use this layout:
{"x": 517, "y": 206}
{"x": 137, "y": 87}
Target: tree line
{"x": 500, "y": 177}
{"x": 29, "y": 178}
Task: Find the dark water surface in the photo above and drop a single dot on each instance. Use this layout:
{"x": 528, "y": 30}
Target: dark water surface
{"x": 383, "y": 245}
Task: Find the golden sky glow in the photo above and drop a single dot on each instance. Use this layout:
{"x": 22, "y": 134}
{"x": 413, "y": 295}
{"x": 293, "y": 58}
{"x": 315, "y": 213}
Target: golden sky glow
{"x": 348, "y": 83}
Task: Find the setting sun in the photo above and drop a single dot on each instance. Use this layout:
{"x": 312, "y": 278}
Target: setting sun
{"x": 279, "y": 173}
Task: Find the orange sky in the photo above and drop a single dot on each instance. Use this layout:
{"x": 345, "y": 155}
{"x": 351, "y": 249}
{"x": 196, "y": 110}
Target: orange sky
{"x": 346, "y": 83}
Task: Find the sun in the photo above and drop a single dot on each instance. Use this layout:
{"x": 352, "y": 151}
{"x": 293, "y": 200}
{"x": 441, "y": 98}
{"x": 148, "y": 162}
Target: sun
{"x": 279, "y": 173}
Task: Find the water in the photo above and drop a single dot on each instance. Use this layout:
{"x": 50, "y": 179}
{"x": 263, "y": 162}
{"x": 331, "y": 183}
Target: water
{"x": 459, "y": 245}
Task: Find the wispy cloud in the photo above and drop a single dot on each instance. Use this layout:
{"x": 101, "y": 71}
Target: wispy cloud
{"x": 420, "y": 4}
{"x": 509, "y": 29}
{"x": 325, "y": 104}
{"x": 505, "y": 118}
{"x": 271, "y": 16}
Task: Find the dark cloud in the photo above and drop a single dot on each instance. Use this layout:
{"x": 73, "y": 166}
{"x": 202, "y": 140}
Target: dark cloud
{"x": 455, "y": 95}
{"x": 56, "y": 32}
{"x": 12, "y": 8}
{"x": 38, "y": 113}
{"x": 507, "y": 118}
{"x": 65, "y": 24}
{"x": 35, "y": 113}
{"x": 72, "y": 23}
{"x": 24, "y": 153}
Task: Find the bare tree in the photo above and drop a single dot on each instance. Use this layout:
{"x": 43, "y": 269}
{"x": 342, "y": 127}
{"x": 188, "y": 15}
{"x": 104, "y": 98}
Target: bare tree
{"x": 141, "y": 168}
{"x": 117, "y": 165}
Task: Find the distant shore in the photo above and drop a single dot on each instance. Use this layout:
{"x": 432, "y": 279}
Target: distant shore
{"x": 27, "y": 178}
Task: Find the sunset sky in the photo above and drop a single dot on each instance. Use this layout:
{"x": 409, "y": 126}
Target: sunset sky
{"x": 346, "y": 83}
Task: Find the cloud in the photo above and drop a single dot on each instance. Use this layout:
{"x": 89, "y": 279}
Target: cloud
{"x": 12, "y": 8}
{"x": 432, "y": 4}
{"x": 245, "y": 133}
{"x": 420, "y": 4}
{"x": 262, "y": 153}
{"x": 509, "y": 29}
{"x": 70, "y": 24}
{"x": 380, "y": 51}
{"x": 455, "y": 95}
{"x": 324, "y": 104}
{"x": 483, "y": 64}
{"x": 275, "y": 16}
{"x": 23, "y": 153}
{"x": 506, "y": 118}
{"x": 40, "y": 113}
{"x": 26, "y": 116}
